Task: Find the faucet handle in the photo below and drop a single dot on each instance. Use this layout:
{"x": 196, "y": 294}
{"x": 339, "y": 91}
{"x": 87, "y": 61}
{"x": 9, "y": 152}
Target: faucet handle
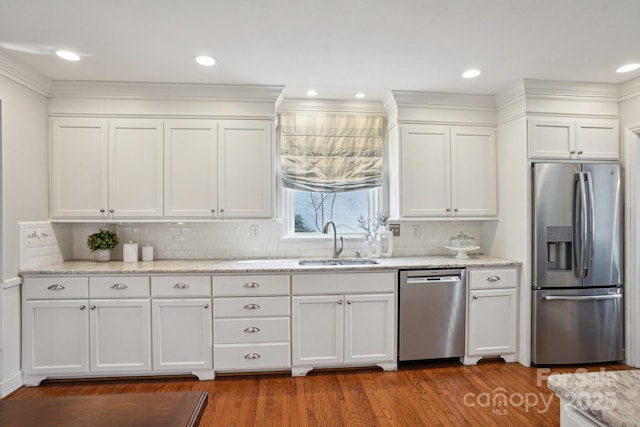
{"x": 358, "y": 255}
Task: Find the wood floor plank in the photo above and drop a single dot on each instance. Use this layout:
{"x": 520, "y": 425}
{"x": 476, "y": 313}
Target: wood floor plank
{"x": 441, "y": 393}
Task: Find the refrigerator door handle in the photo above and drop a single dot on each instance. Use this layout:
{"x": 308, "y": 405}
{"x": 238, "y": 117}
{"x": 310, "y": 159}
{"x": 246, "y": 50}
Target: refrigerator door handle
{"x": 591, "y": 223}
{"x": 583, "y": 223}
{"x": 581, "y": 297}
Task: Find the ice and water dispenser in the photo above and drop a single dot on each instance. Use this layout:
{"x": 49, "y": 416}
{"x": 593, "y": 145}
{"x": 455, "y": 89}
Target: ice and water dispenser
{"x": 559, "y": 248}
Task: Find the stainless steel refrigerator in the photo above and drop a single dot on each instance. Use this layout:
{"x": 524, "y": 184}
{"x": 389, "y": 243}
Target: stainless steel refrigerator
{"x": 577, "y": 263}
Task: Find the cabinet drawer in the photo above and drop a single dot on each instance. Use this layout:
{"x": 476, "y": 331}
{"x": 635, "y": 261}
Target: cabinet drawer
{"x": 55, "y": 287}
{"x": 258, "y": 330}
{"x": 492, "y": 278}
{"x": 119, "y": 287}
{"x": 181, "y": 286}
{"x": 249, "y": 357}
{"x": 250, "y": 285}
{"x": 251, "y": 307}
{"x": 341, "y": 283}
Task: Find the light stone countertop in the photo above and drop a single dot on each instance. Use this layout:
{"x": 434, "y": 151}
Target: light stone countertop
{"x": 611, "y": 397}
{"x": 260, "y": 266}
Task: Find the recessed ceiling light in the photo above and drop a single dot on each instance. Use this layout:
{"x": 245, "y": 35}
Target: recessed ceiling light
{"x": 68, "y": 55}
{"x": 469, "y": 74}
{"x": 205, "y": 60}
{"x": 627, "y": 68}
{"x": 312, "y": 92}
{"x": 360, "y": 95}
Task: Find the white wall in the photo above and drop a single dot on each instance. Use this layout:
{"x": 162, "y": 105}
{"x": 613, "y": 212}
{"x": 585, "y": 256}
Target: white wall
{"x": 630, "y": 137}
{"x": 25, "y": 197}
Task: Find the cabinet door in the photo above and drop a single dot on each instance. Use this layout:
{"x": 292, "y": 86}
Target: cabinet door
{"x": 369, "y": 328}
{"x": 182, "y": 336}
{"x": 551, "y": 139}
{"x": 492, "y": 322}
{"x": 120, "y": 338}
{"x": 245, "y": 168}
{"x": 135, "y": 168}
{"x": 55, "y": 337}
{"x": 190, "y": 169}
{"x": 79, "y": 168}
{"x": 597, "y": 139}
{"x": 473, "y": 172}
{"x": 317, "y": 326}
{"x": 425, "y": 177}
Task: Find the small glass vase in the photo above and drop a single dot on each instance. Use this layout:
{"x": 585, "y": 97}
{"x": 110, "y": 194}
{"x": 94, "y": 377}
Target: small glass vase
{"x": 102, "y": 255}
{"x": 385, "y": 237}
{"x": 373, "y": 247}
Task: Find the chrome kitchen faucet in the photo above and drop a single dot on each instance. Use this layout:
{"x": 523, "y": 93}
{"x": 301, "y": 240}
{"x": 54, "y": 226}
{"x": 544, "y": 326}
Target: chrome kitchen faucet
{"x": 325, "y": 230}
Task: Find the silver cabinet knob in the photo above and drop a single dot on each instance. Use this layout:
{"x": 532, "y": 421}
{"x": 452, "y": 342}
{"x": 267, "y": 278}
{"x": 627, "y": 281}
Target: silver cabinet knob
{"x": 101, "y": 210}
{"x": 93, "y": 307}
{"x": 455, "y": 209}
{"x": 349, "y": 302}
{"x": 213, "y": 211}
{"x": 111, "y": 210}
{"x": 82, "y": 307}
{"x": 206, "y": 306}
{"x": 339, "y": 302}
{"x": 475, "y": 297}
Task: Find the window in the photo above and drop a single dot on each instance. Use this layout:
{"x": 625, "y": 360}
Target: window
{"x": 331, "y": 167}
{"x": 311, "y": 210}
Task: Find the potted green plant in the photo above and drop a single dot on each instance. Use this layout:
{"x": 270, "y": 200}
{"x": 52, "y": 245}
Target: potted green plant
{"x": 101, "y": 243}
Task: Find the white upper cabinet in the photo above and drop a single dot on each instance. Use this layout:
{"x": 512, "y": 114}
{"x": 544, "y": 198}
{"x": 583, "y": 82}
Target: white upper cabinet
{"x": 245, "y": 168}
{"x": 588, "y": 139}
{"x": 473, "y": 172}
{"x": 79, "y": 168}
{"x": 447, "y": 172}
{"x": 190, "y": 173}
{"x": 218, "y": 169}
{"x": 135, "y": 168}
{"x": 152, "y": 169}
{"x": 103, "y": 169}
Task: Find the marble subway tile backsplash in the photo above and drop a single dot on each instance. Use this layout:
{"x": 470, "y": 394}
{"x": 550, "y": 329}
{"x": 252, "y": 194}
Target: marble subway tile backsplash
{"x": 240, "y": 239}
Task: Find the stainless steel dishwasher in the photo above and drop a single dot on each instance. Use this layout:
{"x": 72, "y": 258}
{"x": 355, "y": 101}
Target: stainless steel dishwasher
{"x": 431, "y": 314}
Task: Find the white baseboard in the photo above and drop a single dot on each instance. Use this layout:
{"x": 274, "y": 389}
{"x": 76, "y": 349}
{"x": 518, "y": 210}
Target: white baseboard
{"x": 11, "y": 384}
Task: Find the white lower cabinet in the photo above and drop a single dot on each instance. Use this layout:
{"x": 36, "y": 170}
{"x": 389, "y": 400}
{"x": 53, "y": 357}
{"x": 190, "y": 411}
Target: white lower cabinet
{"x": 251, "y": 323}
{"x": 102, "y": 326}
{"x": 491, "y": 314}
{"x": 332, "y": 329}
{"x": 182, "y": 325}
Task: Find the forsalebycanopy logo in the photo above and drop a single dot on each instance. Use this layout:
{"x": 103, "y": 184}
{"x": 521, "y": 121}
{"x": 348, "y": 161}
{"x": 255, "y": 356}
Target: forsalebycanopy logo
{"x": 499, "y": 400}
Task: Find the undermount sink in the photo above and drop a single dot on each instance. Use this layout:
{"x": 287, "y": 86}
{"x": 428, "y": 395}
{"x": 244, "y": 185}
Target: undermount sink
{"x": 338, "y": 261}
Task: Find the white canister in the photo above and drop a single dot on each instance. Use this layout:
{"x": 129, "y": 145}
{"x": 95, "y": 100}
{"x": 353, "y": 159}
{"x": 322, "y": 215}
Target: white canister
{"x": 130, "y": 252}
{"x": 147, "y": 252}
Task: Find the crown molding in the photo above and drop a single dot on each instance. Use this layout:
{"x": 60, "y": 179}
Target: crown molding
{"x": 571, "y": 91}
{"x": 24, "y": 76}
{"x": 166, "y": 91}
{"x": 630, "y": 89}
{"x": 327, "y": 105}
{"x": 452, "y": 101}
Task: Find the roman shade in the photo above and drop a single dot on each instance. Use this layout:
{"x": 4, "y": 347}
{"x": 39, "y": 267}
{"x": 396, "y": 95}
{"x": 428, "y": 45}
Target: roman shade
{"x": 330, "y": 152}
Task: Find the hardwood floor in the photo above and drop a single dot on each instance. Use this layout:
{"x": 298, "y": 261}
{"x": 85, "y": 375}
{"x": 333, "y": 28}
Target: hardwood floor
{"x": 442, "y": 393}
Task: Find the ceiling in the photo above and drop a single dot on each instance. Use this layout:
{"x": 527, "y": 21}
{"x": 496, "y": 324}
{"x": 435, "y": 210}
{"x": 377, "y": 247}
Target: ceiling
{"x": 337, "y": 47}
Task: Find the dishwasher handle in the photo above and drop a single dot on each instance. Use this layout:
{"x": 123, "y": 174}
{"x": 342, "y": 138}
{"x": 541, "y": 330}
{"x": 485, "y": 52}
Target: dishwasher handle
{"x": 433, "y": 279}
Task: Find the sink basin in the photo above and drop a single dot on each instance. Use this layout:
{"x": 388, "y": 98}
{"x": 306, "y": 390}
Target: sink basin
{"x": 338, "y": 261}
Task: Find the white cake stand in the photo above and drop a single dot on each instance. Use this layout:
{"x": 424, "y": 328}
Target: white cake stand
{"x": 462, "y": 251}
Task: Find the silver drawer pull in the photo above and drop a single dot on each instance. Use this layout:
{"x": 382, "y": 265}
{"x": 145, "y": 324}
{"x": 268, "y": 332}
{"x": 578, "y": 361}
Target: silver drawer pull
{"x": 252, "y": 329}
{"x": 493, "y": 278}
{"x": 252, "y": 306}
{"x": 119, "y": 286}
{"x": 181, "y": 285}
{"x": 251, "y": 285}
{"x": 252, "y": 356}
{"x": 82, "y": 307}
{"x": 56, "y": 288}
